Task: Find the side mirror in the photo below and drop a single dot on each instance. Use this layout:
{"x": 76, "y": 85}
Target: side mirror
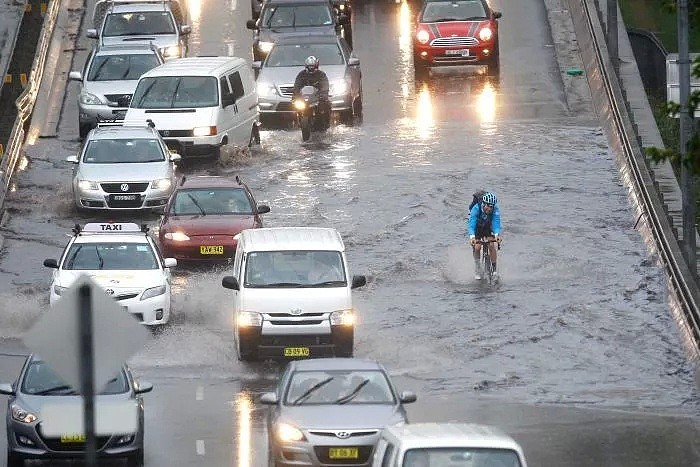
{"x": 251, "y": 24}
{"x": 263, "y": 209}
{"x": 185, "y": 29}
{"x": 174, "y": 157}
{"x": 354, "y": 61}
{"x": 75, "y": 76}
{"x": 497, "y": 14}
{"x": 143, "y": 387}
{"x": 269, "y": 398}
{"x": 170, "y": 262}
{"x": 7, "y": 389}
{"x": 72, "y": 159}
{"x": 51, "y": 263}
{"x": 257, "y": 65}
{"x": 407, "y": 397}
{"x": 230, "y": 282}
{"x": 91, "y": 33}
{"x": 358, "y": 281}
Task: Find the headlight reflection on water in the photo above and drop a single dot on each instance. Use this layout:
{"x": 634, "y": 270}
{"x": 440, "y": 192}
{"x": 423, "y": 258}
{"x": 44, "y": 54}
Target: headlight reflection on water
{"x": 244, "y": 408}
{"x": 425, "y": 122}
{"x": 486, "y": 104}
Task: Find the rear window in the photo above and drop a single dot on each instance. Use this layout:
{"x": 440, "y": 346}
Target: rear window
{"x": 441, "y": 457}
{"x": 176, "y": 92}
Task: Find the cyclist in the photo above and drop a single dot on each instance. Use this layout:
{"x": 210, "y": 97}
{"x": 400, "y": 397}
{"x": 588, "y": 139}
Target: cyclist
{"x": 484, "y": 222}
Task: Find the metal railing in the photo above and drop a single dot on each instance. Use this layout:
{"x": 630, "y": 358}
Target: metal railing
{"x": 25, "y": 102}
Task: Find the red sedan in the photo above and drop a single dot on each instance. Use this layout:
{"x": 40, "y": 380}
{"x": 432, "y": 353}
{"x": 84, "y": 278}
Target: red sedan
{"x": 203, "y": 215}
{"x": 456, "y": 32}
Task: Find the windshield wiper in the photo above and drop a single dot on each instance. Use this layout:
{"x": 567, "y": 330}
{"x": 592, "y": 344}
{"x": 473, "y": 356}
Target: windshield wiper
{"x": 472, "y": 18}
{"x": 99, "y": 70}
{"x": 63, "y": 387}
{"x": 189, "y": 195}
{"x": 128, "y": 69}
{"x": 352, "y": 394}
{"x": 442, "y": 20}
{"x": 336, "y": 282}
{"x": 99, "y": 256}
{"x": 282, "y": 284}
{"x": 145, "y": 93}
{"x": 313, "y": 388}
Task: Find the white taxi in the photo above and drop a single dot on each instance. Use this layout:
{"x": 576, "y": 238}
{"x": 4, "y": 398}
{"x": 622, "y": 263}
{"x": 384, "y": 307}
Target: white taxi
{"x": 123, "y": 259}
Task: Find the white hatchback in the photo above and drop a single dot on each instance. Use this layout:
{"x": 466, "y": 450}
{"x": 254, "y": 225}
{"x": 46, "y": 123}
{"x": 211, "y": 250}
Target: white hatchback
{"x": 123, "y": 259}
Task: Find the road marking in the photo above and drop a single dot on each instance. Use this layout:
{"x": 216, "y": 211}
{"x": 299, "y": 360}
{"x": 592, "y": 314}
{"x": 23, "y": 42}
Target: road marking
{"x": 200, "y": 393}
{"x": 200, "y": 447}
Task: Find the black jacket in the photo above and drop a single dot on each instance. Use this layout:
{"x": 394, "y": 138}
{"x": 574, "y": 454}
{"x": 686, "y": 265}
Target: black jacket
{"x": 316, "y": 78}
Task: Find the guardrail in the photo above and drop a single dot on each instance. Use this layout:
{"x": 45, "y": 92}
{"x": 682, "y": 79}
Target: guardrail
{"x": 659, "y": 225}
{"x": 25, "y": 102}
{"x": 10, "y": 49}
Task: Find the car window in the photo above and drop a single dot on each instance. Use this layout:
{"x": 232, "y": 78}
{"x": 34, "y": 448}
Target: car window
{"x": 206, "y": 201}
{"x": 339, "y": 387}
{"x": 303, "y": 268}
{"x": 115, "y": 256}
{"x": 123, "y": 151}
{"x": 41, "y": 379}
{"x": 388, "y": 454}
{"x": 121, "y": 67}
{"x": 467, "y": 457}
{"x": 139, "y": 24}
{"x": 176, "y": 92}
{"x": 458, "y": 10}
{"x": 236, "y": 85}
{"x": 288, "y": 16}
{"x": 295, "y": 54}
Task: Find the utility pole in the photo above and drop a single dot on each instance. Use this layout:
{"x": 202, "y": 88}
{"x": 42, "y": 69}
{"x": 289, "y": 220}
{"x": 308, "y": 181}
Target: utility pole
{"x": 613, "y": 50}
{"x": 686, "y": 125}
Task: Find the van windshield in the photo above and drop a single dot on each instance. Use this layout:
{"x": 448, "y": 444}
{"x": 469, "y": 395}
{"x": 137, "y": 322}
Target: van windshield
{"x": 438, "y": 457}
{"x": 273, "y": 269}
{"x": 176, "y": 92}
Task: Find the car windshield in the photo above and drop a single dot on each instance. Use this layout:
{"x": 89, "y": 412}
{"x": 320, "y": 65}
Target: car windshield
{"x": 123, "y": 151}
{"x": 467, "y": 457}
{"x": 294, "y": 269}
{"x": 460, "y": 10}
{"x": 205, "y": 201}
{"x": 40, "y": 380}
{"x": 121, "y": 67}
{"x": 144, "y": 23}
{"x": 290, "y": 16}
{"x": 339, "y": 387}
{"x": 114, "y": 256}
{"x": 176, "y": 92}
{"x": 294, "y": 55}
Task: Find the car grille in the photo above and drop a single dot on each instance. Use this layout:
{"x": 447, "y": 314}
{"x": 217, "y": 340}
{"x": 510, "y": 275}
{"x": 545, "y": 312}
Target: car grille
{"x": 131, "y": 187}
{"x": 454, "y": 41}
{"x": 363, "y": 455}
{"x": 55, "y": 444}
{"x": 286, "y": 91}
{"x": 289, "y": 315}
{"x": 175, "y": 133}
{"x": 353, "y": 433}
{"x": 295, "y": 340}
{"x": 122, "y": 100}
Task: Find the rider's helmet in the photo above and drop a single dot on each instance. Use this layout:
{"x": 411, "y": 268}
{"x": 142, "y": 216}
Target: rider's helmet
{"x": 311, "y": 63}
{"x": 489, "y": 198}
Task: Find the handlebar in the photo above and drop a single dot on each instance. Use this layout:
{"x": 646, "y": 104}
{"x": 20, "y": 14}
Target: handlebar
{"x": 482, "y": 241}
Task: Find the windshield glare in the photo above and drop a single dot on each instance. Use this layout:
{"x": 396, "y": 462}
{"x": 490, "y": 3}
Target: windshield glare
{"x": 41, "y": 380}
{"x": 121, "y": 67}
{"x": 453, "y": 11}
{"x": 176, "y": 92}
{"x": 294, "y": 269}
{"x": 440, "y": 457}
{"x": 110, "y": 256}
{"x": 347, "y": 387}
{"x": 294, "y": 55}
{"x": 139, "y": 24}
{"x": 206, "y": 201}
{"x": 123, "y": 151}
{"x": 296, "y": 16}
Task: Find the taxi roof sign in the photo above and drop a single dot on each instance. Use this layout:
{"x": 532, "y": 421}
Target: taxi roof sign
{"x": 111, "y": 227}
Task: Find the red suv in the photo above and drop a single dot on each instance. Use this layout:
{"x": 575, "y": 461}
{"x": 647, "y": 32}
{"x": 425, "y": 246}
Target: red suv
{"x": 456, "y": 32}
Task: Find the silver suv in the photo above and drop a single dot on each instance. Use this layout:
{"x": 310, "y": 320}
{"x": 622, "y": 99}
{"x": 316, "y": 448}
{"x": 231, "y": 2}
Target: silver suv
{"x": 108, "y": 81}
{"x": 123, "y": 167}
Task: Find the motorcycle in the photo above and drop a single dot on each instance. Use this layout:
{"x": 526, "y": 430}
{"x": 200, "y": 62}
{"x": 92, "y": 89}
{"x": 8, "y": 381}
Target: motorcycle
{"x": 309, "y": 112}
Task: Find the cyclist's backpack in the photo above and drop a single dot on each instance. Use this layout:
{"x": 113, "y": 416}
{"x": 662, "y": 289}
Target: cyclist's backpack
{"x": 476, "y": 198}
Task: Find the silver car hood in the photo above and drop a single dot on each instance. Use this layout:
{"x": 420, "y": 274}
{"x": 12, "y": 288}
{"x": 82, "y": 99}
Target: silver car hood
{"x": 286, "y": 75}
{"x": 347, "y": 416}
{"x": 124, "y": 172}
{"x": 159, "y": 40}
{"x": 101, "y": 88}
{"x": 272, "y": 34}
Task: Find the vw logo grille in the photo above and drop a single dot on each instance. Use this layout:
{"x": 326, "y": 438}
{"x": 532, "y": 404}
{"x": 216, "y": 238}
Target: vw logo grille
{"x": 124, "y": 187}
{"x": 109, "y": 292}
{"x": 342, "y": 434}
{"x": 295, "y": 311}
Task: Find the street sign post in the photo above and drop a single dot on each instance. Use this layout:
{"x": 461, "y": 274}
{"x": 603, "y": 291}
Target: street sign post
{"x": 85, "y": 338}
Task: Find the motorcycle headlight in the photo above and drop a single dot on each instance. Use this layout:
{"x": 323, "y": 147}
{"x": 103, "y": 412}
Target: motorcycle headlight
{"x": 87, "y": 185}
{"x": 485, "y": 34}
{"x": 153, "y": 292}
{"x": 249, "y": 319}
{"x": 170, "y": 52}
{"x": 266, "y": 89}
{"x": 89, "y": 99}
{"x": 22, "y": 415}
{"x": 161, "y": 184}
{"x": 342, "y": 318}
{"x": 423, "y": 36}
{"x": 299, "y": 104}
{"x": 58, "y": 290}
{"x": 265, "y": 47}
{"x": 177, "y": 236}
{"x": 286, "y": 432}
{"x": 338, "y": 87}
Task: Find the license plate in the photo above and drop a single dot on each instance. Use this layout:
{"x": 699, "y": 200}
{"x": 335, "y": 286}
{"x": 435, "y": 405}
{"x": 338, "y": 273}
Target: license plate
{"x": 73, "y": 438}
{"x": 124, "y": 197}
{"x": 461, "y": 52}
{"x": 343, "y": 453}
{"x": 211, "y": 250}
{"x": 296, "y": 352}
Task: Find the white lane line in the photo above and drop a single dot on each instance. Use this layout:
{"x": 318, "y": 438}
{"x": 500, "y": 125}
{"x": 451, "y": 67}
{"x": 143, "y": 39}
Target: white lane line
{"x": 199, "y": 395}
{"x": 200, "y": 447}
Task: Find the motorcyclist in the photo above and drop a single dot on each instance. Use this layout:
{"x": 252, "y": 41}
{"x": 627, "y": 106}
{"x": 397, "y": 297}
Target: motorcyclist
{"x": 311, "y": 75}
{"x": 484, "y": 222}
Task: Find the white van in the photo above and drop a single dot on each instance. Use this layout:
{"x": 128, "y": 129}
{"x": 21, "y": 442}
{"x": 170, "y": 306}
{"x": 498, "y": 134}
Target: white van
{"x": 198, "y": 104}
{"x": 292, "y": 294}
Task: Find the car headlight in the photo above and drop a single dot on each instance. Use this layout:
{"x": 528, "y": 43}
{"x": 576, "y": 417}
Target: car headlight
{"x": 299, "y": 104}
{"x": 203, "y": 131}
{"x": 89, "y": 99}
{"x": 22, "y": 415}
{"x": 177, "y": 236}
{"x": 153, "y": 292}
{"x": 87, "y": 185}
{"x": 342, "y": 318}
{"x": 423, "y": 36}
{"x": 265, "y": 47}
{"x": 161, "y": 184}
{"x": 172, "y": 51}
{"x": 266, "y": 89}
{"x": 485, "y": 34}
{"x": 286, "y": 432}
{"x": 249, "y": 319}
{"x": 58, "y": 290}
{"x": 338, "y": 87}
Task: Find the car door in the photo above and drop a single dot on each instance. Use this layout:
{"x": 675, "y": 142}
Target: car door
{"x": 245, "y": 106}
{"x": 225, "y": 117}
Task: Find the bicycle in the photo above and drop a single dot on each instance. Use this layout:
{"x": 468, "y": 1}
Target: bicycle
{"x": 485, "y": 259}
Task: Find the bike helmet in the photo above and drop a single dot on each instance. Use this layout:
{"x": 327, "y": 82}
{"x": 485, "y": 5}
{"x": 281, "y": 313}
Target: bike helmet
{"x": 311, "y": 63}
{"x": 489, "y": 198}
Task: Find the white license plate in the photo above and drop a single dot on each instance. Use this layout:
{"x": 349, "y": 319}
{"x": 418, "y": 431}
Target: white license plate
{"x": 461, "y": 52}
{"x": 124, "y": 197}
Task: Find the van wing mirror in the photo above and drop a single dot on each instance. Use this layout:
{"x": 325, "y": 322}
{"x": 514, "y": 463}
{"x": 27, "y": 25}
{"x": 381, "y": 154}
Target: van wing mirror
{"x": 91, "y": 33}
{"x": 75, "y": 76}
{"x": 7, "y": 389}
{"x": 170, "y": 262}
{"x": 230, "y": 282}
{"x": 407, "y": 397}
{"x": 497, "y": 14}
{"x": 143, "y": 387}
{"x": 72, "y": 159}
{"x": 358, "y": 281}
{"x": 251, "y": 24}
{"x": 353, "y": 61}
{"x": 263, "y": 209}
{"x": 185, "y": 29}
{"x": 269, "y": 398}
{"x": 51, "y": 263}
{"x": 257, "y": 65}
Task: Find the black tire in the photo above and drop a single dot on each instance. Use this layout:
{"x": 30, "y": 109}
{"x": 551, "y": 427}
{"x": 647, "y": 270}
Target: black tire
{"x": 245, "y": 352}
{"x": 305, "y": 128}
{"x": 357, "y": 108}
{"x": 345, "y": 348}
{"x": 254, "y": 136}
{"x": 420, "y": 71}
{"x": 14, "y": 461}
{"x": 84, "y": 129}
{"x": 135, "y": 460}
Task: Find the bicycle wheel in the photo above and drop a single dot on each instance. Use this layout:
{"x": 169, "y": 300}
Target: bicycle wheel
{"x": 488, "y": 270}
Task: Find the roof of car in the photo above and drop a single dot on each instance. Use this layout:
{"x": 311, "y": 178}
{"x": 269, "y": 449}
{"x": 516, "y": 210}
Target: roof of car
{"x": 131, "y": 47}
{"x": 205, "y": 181}
{"x": 195, "y": 66}
{"x": 291, "y": 238}
{"x": 427, "y": 435}
{"x": 292, "y": 2}
{"x": 139, "y": 7}
{"x": 127, "y": 131}
{"x": 336, "y": 364}
{"x": 308, "y": 39}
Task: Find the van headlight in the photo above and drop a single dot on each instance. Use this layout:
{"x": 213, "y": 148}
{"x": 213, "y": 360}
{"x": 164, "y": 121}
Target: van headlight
{"x": 342, "y": 318}
{"x": 161, "y": 184}
{"x": 89, "y": 99}
{"x": 203, "y": 131}
{"x": 338, "y": 87}
{"x": 265, "y": 47}
{"x": 286, "y": 432}
{"x": 87, "y": 185}
{"x": 153, "y": 292}
{"x": 249, "y": 319}
{"x": 266, "y": 89}
{"x": 171, "y": 52}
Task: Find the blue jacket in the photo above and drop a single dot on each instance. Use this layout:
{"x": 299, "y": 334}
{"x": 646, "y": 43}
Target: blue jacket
{"x": 477, "y": 215}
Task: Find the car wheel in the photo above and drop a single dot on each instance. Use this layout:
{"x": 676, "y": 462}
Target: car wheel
{"x": 357, "y": 108}
{"x": 254, "y": 136}
{"x": 135, "y": 460}
{"x": 420, "y": 71}
{"x": 244, "y": 352}
{"x": 84, "y": 129}
{"x": 14, "y": 461}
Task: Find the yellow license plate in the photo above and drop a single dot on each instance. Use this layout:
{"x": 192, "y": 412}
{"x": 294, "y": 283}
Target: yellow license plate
{"x": 73, "y": 438}
{"x": 211, "y": 250}
{"x": 343, "y": 453}
{"x": 296, "y": 352}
